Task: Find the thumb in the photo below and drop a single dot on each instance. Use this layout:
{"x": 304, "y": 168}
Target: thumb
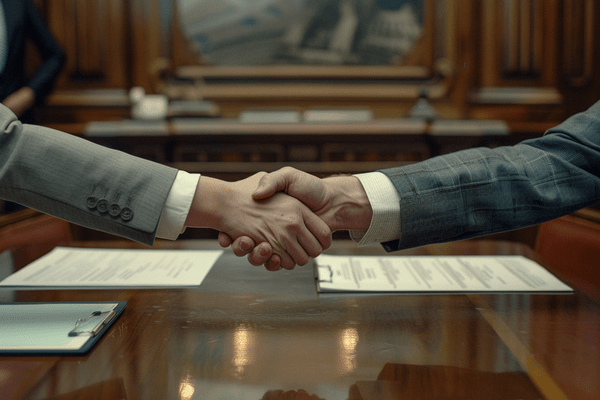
{"x": 269, "y": 184}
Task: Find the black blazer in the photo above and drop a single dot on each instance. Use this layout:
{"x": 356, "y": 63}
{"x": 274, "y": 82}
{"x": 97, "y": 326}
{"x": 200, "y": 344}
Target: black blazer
{"x": 24, "y": 21}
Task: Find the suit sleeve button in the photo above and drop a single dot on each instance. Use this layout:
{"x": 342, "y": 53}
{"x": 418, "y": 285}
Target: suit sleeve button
{"x": 114, "y": 209}
{"x": 126, "y": 213}
{"x": 102, "y": 205}
{"x": 91, "y": 202}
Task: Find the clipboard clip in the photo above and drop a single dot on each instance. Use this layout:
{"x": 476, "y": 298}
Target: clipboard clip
{"x": 94, "y": 331}
{"x": 328, "y": 268}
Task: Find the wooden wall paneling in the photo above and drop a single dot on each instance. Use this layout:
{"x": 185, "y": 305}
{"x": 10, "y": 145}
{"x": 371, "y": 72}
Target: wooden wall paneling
{"x": 519, "y": 43}
{"x": 549, "y": 59}
{"x": 526, "y": 46}
{"x": 423, "y": 52}
{"x": 441, "y": 24}
{"x": 579, "y": 54}
{"x": 537, "y": 44}
{"x": 519, "y": 58}
{"x": 538, "y": 38}
{"x": 466, "y": 43}
{"x": 147, "y": 33}
{"x": 139, "y": 51}
{"x": 90, "y": 60}
{"x": 118, "y": 45}
{"x": 181, "y": 50}
{"x": 92, "y": 33}
{"x": 546, "y": 46}
{"x": 578, "y": 41}
{"x": 490, "y": 31}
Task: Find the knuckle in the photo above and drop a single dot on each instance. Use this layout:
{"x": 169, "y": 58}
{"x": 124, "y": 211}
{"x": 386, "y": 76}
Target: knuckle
{"x": 252, "y": 260}
{"x": 316, "y": 251}
{"x": 302, "y": 260}
{"x": 288, "y": 265}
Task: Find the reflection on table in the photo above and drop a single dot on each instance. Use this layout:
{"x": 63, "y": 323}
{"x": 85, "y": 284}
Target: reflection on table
{"x": 246, "y": 333}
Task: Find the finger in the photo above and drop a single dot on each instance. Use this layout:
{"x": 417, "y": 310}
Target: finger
{"x": 273, "y": 263}
{"x": 310, "y": 246}
{"x": 287, "y": 260}
{"x": 319, "y": 229}
{"x": 242, "y": 246}
{"x": 260, "y": 254}
{"x": 295, "y": 247}
{"x": 224, "y": 240}
{"x": 311, "y": 238}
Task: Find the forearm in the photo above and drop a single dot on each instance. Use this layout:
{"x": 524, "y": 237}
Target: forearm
{"x": 349, "y": 207}
{"x": 483, "y": 191}
{"x": 60, "y": 174}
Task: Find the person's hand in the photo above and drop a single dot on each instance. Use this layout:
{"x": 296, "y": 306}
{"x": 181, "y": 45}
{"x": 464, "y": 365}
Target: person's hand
{"x": 340, "y": 201}
{"x": 290, "y": 395}
{"x": 20, "y": 101}
{"x": 287, "y": 226}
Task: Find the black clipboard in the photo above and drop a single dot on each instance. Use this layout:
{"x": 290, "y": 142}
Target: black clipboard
{"x": 58, "y": 328}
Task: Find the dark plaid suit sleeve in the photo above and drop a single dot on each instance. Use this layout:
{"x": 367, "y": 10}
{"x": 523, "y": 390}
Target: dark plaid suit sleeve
{"x": 482, "y": 191}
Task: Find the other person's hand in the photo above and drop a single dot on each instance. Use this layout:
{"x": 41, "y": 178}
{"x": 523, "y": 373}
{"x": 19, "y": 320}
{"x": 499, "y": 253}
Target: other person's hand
{"x": 20, "y": 101}
{"x": 290, "y": 229}
{"x": 339, "y": 200}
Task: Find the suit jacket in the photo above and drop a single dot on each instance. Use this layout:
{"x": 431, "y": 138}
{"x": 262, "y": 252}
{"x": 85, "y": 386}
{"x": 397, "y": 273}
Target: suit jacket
{"x": 482, "y": 191}
{"x": 81, "y": 182}
{"x": 24, "y": 21}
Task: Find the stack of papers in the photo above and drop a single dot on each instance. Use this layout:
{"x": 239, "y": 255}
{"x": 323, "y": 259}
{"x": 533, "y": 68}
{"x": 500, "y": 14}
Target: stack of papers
{"x": 76, "y": 268}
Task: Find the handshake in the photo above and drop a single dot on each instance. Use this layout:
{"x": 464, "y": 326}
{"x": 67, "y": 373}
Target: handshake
{"x": 282, "y": 218}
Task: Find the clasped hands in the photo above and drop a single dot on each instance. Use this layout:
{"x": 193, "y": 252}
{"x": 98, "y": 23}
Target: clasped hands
{"x": 283, "y": 218}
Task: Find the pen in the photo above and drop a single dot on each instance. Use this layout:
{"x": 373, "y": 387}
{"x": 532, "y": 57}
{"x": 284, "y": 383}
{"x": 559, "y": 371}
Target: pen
{"x": 104, "y": 322}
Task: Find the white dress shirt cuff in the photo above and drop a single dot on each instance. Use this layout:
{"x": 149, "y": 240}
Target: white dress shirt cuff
{"x": 177, "y": 207}
{"x": 385, "y": 202}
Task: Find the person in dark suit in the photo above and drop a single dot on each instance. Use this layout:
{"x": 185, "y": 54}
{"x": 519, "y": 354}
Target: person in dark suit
{"x": 455, "y": 196}
{"x": 20, "y": 20}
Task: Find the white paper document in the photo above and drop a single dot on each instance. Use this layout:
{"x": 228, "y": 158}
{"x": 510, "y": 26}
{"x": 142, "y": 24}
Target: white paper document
{"x": 97, "y": 268}
{"x": 436, "y": 274}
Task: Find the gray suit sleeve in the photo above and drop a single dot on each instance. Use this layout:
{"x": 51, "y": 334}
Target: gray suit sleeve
{"x": 81, "y": 182}
{"x": 482, "y": 191}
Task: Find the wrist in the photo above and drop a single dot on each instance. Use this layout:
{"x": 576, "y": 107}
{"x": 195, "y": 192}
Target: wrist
{"x": 350, "y": 207}
{"x": 208, "y": 204}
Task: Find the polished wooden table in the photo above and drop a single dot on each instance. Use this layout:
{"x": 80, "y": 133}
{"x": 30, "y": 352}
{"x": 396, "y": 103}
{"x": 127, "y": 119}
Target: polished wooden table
{"x": 246, "y": 333}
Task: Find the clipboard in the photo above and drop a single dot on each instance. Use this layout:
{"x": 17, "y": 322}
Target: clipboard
{"x": 66, "y": 328}
{"x": 434, "y": 275}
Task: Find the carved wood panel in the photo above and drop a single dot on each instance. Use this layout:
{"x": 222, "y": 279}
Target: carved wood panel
{"x": 547, "y": 46}
{"x": 95, "y": 37}
{"x": 578, "y": 41}
{"x": 519, "y": 45}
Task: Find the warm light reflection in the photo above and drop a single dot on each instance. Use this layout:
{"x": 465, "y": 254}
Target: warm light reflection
{"x": 243, "y": 346}
{"x": 348, "y": 342}
{"x": 186, "y": 389}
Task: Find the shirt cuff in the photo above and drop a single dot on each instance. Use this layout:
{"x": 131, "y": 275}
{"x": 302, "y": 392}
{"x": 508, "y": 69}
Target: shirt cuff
{"x": 385, "y": 202}
{"x": 177, "y": 206}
